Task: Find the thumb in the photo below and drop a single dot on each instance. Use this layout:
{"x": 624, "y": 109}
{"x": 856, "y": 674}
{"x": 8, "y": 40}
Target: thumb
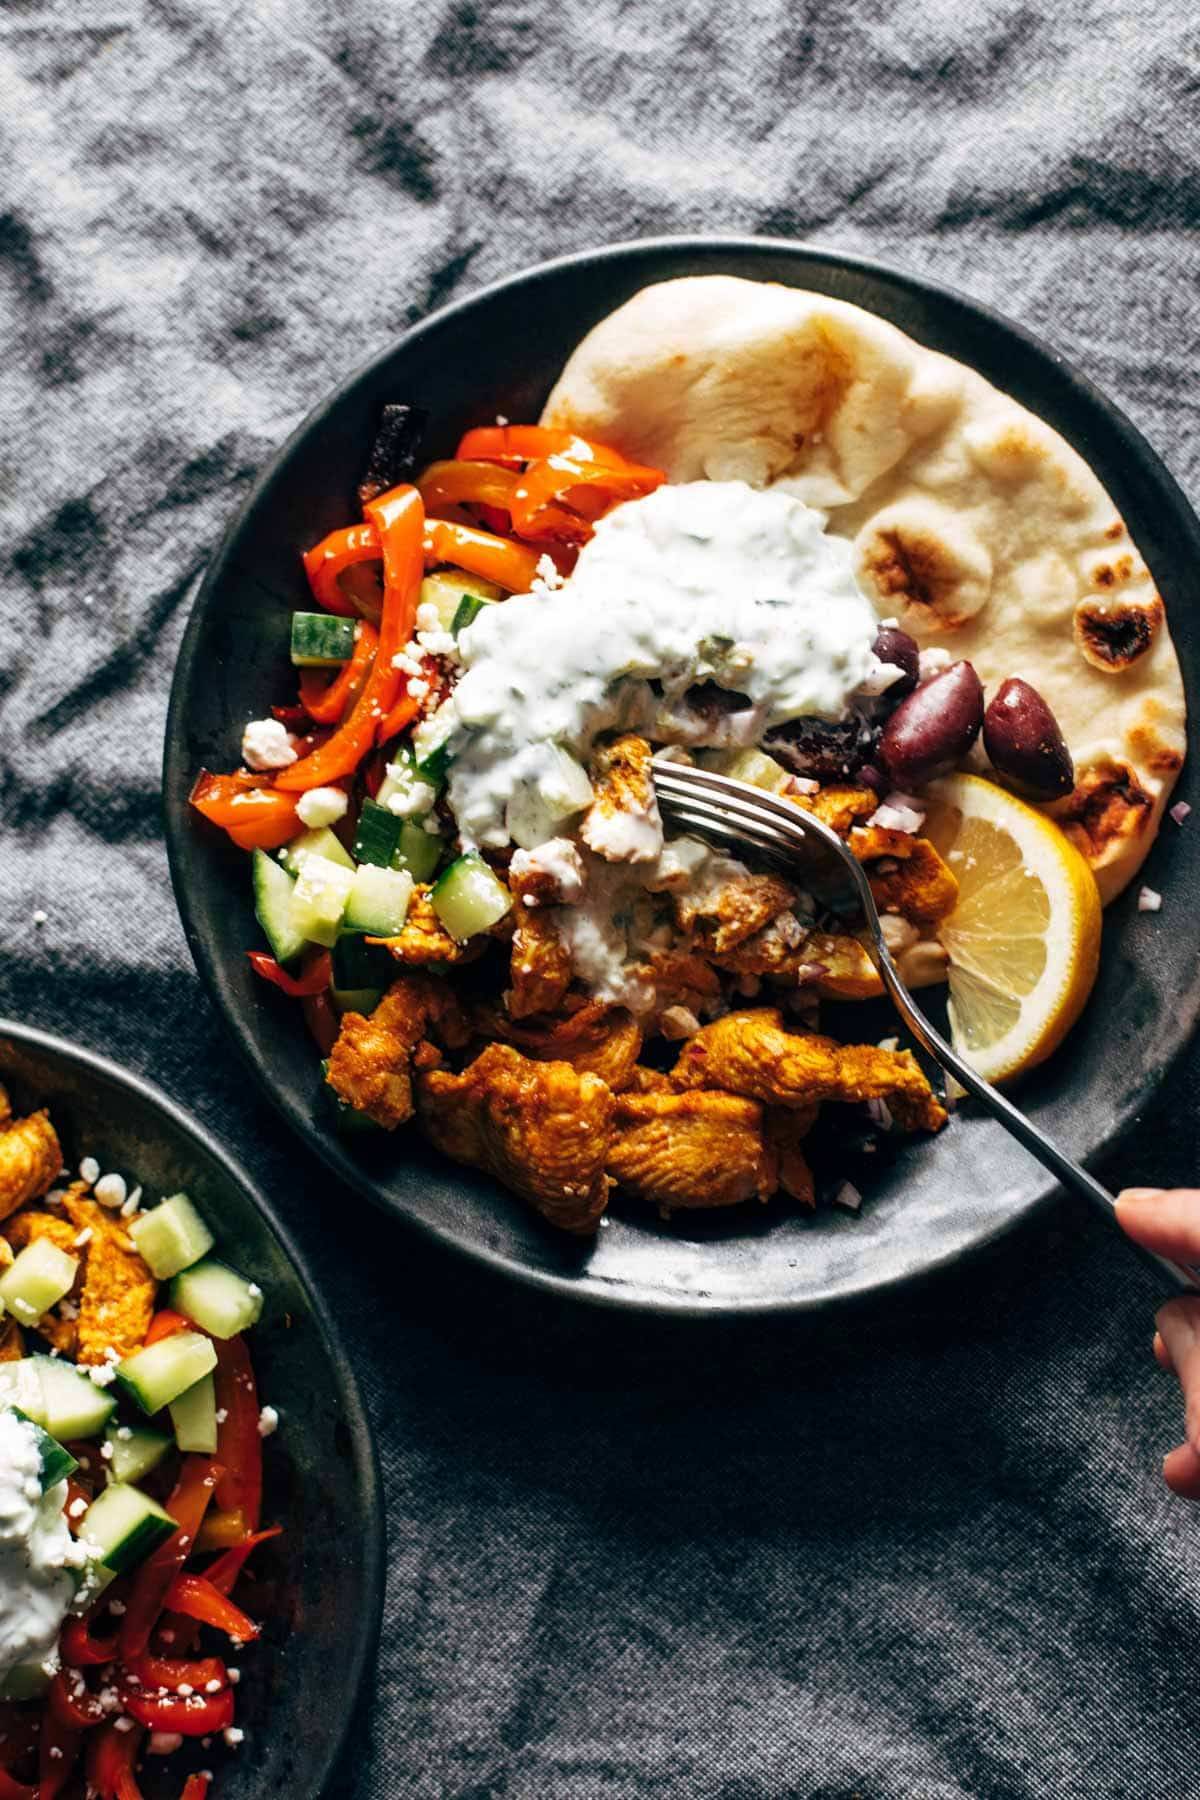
{"x": 1165, "y": 1220}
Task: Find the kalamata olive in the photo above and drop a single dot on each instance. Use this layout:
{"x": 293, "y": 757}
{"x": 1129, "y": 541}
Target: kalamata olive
{"x": 824, "y": 749}
{"x": 1024, "y": 743}
{"x": 895, "y": 646}
{"x": 934, "y": 727}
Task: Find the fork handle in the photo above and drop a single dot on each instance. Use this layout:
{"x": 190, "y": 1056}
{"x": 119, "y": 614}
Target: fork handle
{"x": 1072, "y": 1175}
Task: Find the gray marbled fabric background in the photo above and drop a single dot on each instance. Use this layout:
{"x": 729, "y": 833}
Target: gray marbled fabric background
{"x": 921, "y": 1553}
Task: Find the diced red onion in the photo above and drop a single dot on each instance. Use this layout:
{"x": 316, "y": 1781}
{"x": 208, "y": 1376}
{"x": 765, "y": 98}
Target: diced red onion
{"x": 848, "y": 1196}
{"x": 879, "y": 1114}
{"x": 1180, "y": 811}
{"x": 1149, "y": 900}
{"x": 809, "y": 972}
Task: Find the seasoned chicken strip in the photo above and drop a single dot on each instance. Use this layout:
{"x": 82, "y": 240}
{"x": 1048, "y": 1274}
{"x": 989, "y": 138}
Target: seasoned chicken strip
{"x": 12, "y": 1342}
{"x": 539, "y": 967}
{"x": 116, "y": 1303}
{"x": 596, "y": 1040}
{"x": 371, "y": 1064}
{"x": 691, "y": 1150}
{"x": 30, "y": 1158}
{"x": 541, "y": 1129}
{"x": 730, "y": 906}
{"x": 750, "y": 1053}
{"x": 623, "y": 824}
{"x": 906, "y": 873}
{"x": 839, "y": 807}
{"x": 423, "y": 938}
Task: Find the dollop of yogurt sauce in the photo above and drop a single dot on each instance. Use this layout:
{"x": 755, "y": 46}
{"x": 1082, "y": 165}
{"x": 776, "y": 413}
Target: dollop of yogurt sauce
{"x": 707, "y": 581}
{"x": 37, "y": 1553}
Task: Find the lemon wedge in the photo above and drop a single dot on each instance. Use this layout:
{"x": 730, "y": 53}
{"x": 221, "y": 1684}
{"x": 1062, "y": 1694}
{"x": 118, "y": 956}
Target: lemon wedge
{"x": 1023, "y": 941}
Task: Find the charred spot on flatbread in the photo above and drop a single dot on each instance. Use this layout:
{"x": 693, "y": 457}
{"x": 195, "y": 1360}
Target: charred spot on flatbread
{"x": 1109, "y": 806}
{"x": 917, "y": 558}
{"x": 1114, "y": 634}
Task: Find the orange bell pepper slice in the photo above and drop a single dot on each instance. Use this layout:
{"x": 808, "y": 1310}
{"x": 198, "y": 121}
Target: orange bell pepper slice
{"x": 561, "y": 496}
{"x": 525, "y": 443}
{"x": 256, "y": 816}
{"x": 399, "y": 518}
{"x": 316, "y": 978}
{"x": 239, "y": 1441}
{"x": 475, "y": 483}
{"x": 196, "y": 1598}
{"x": 512, "y": 566}
{"x": 327, "y": 701}
{"x": 327, "y": 561}
{"x": 111, "y": 1755}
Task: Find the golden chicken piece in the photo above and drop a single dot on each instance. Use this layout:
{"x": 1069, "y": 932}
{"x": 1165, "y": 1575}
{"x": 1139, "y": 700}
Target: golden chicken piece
{"x": 596, "y": 1040}
{"x": 623, "y": 823}
{"x": 539, "y": 966}
{"x": 784, "y": 1132}
{"x": 697, "y": 1149}
{"x": 540, "y": 1128}
{"x": 750, "y": 1053}
{"x": 724, "y": 913}
{"x": 839, "y": 807}
{"x": 12, "y": 1342}
{"x": 920, "y": 886}
{"x": 116, "y": 1301}
{"x": 30, "y": 1157}
{"x": 423, "y": 938}
{"x": 25, "y": 1228}
{"x": 650, "y": 1081}
{"x": 679, "y": 978}
{"x": 371, "y": 1063}
{"x": 849, "y": 972}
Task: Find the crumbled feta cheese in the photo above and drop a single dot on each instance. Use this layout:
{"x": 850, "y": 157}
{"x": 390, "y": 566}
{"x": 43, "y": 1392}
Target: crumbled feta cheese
{"x": 164, "y": 1743}
{"x": 321, "y": 806}
{"x": 547, "y": 577}
{"x": 77, "y": 1509}
{"x": 413, "y": 798}
{"x": 124, "y": 1723}
{"x": 89, "y": 1170}
{"x": 103, "y": 1374}
{"x": 133, "y": 1204}
{"x": 428, "y": 617}
{"x": 233, "y": 1735}
{"x": 931, "y": 662}
{"x": 1149, "y": 900}
{"x": 111, "y": 1191}
{"x": 888, "y": 1043}
{"x": 124, "y": 1433}
{"x": 559, "y": 860}
{"x": 268, "y": 1422}
{"x": 234, "y": 1675}
{"x": 185, "y": 1690}
{"x": 266, "y": 745}
{"x": 82, "y": 1237}
{"x": 222, "y": 1414}
{"x": 418, "y": 687}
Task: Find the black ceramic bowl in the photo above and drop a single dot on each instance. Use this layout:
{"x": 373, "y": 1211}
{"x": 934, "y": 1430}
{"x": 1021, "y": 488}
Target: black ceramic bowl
{"x": 319, "y": 1586}
{"x": 499, "y": 352}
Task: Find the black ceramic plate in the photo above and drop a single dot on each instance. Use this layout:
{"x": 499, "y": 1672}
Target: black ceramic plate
{"x": 499, "y": 352}
{"x": 320, "y": 1586}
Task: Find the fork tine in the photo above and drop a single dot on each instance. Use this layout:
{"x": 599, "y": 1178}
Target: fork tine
{"x": 713, "y": 821}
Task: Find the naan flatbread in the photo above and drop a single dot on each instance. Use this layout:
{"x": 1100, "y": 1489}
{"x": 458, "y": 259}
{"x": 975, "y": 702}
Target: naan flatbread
{"x": 974, "y": 524}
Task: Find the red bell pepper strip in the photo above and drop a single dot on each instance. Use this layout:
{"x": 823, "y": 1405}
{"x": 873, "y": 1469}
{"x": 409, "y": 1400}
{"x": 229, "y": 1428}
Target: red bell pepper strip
{"x": 256, "y": 815}
{"x": 474, "y": 483}
{"x": 172, "y": 1671}
{"x": 561, "y": 496}
{"x": 326, "y": 702}
{"x": 193, "y": 1715}
{"x": 326, "y": 561}
{"x": 224, "y": 1571}
{"x": 315, "y": 978}
{"x": 399, "y": 517}
{"x": 525, "y": 443}
{"x": 197, "y": 1598}
{"x": 70, "y": 1702}
{"x": 11, "y": 1789}
{"x": 239, "y": 1443}
{"x": 165, "y": 1323}
{"x": 59, "y": 1747}
{"x": 196, "y": 1787}
{"x": 80, "y": 1650}
{"x": 321, "y": 1020}
{"x": 188, "y": 1503}
{"x": 498, "y": 559}
{"x": 111, "y": 1755}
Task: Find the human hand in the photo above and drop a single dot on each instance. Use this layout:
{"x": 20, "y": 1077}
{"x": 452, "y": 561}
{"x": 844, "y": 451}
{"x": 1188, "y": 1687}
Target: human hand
{"x": 1167, "y": 1221}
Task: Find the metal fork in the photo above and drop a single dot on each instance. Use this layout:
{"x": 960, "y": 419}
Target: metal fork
{"x": 732, "y": 812}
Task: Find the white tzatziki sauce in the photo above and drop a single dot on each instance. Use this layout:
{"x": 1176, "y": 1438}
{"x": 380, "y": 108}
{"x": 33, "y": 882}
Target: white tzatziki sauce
{"x": 37, "y": 1553}
{"x": 708, "y": 581}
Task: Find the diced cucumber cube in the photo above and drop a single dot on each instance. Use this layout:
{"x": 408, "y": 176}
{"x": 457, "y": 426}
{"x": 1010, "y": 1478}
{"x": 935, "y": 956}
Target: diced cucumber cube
{"x": 124, "y": 1525}
{"x": 134, "y": 1450}
{"x": 72, "y": 1404}
{"x": 321, "y": 639}
{"x": 220, "y": 1300}
{"x": 171, "y": 1237}
{"x": 377, "y": 836}
{"x": 446, "y": 589}
{"x": 161, "y": 1372}
{"x": 379, "y": 900}
{"x": 469, "y": 607}
{"x": 319, "y": 898}
{"x": 358, "y": 1000}
{"x": 273, "y": 906}
{"x": 537, "y": 808}
{"x": 753, "y": 766}
{"x": 57, "y": 1461}
{"x": 420, "y": 851}
{"x": 319, "y": 841}
{"x": 469, "y": 898}
{"x": 28, "y": 1681}
{"x": 194, "y": 1417}
{"x": 40, "y": 1275}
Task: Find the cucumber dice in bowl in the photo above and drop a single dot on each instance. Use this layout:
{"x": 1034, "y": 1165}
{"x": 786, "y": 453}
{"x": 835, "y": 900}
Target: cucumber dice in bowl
{"x": 469, "y": 898}
{"x": 124, "y": 1526}
{"x": 72, "y": 1404}
{"x": 218, "y": 1299}
{"x": 39, "y": 1277}
{"x": 171, "y": 1237}
{"x": 161, "y": 1372}
{"x": 378, "y": 901}
{"x": 194, "y": 1417}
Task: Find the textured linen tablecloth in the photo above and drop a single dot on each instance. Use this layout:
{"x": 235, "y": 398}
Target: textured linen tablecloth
{"x": 921, "y": 1551}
